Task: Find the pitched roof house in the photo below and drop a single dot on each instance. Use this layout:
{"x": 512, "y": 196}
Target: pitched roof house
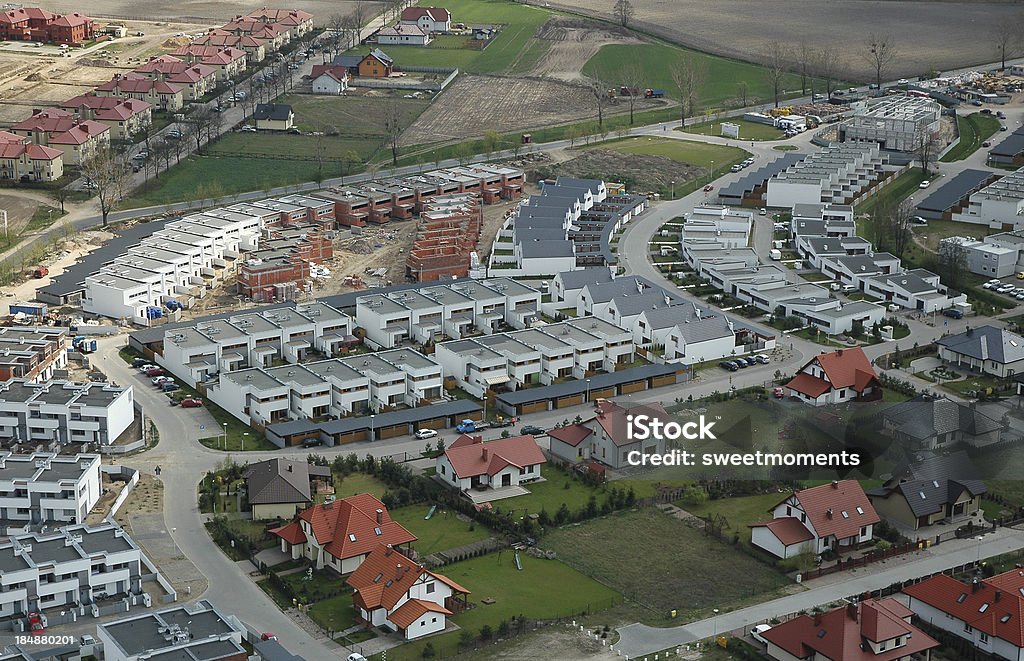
{"x": 938, "y": 422}
{"x": 402, "y": 34}
{"x": 937, "y": 489}
{"x": 987, "y": 349}
{"x": 161, "y": 93}
{"x": 329, "y": 78}
{"x": 830, "y": 516}
{"x": 842, "y": 376}
{"x": 340, "y": 534}
{"x": 989, "y": 613}
{"x": 19, "y": 157}
{"x": 393, "y": 592}
{"x": 568, "y": 442}
{"x": 376, "y": 64}
{"x": 469, "y": 463}
{"x": 273, "y": 116}
{"x": 611, "y": 443}
{"x": 77, "y": 138}
{"x": 125, "y": 117}
{"x": 278, "y": 488}
{"x": 873, "y": 630}
{"x": 431, "y": 19}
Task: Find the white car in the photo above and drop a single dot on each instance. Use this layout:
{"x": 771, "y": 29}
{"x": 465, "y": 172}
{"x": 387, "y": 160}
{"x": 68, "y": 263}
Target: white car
{"x": 425, "y": 433}
{"x": 1005, "y": 289}
{"x": 759, "y": 629}
{"x": 762, "y": 212}
{"x": 988, "y": 285}
{"x": 925, "y": 184}
{"x": 355, "y": 656}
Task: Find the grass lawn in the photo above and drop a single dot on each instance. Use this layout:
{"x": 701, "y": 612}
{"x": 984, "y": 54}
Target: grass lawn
{"x": 748, "y": 130}
{"x": 905, "y": 185}
{"x": 975, "y": 129}
{"x": 334, "y": 614}
{"x": 354, "y": 116}
{"x": 261, "y": 146}
{"x": 974, "y": 382}
{"x": 514, "y": 50}
{"x": 658, "y": 60}
{"x": 785, "y": 147}
{"x": 240, "y": 437}
{"x": 324, "y": 585}
{"x": 937, "y": 230}
{"x": 442, "y": 532}
{"x": 685, "y": 151}
{"x": 544, "y": 589}
{"x": 665, "y": 576}
{"x": 557, "y": 488}
{"x": 355, "y": 483}
{"x": 739, "y": 513}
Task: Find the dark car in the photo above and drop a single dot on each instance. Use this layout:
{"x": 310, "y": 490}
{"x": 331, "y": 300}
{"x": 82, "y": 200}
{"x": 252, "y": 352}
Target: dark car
{"x": 169, "y": 386}
{"x": 139, "y": 362}
{"x": 312, "y": 443}
{"x": 728, "y": 365}
{"x": 741, "y": 362}
{"x": 532, "y": 430}
{"x": 953, "y": 313}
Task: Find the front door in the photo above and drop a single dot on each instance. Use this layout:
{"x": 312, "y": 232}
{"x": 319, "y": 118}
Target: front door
{"x": 506, "y": 480}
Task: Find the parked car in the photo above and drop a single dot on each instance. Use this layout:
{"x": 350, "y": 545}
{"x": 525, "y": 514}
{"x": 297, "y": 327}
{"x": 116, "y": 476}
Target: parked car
{"x": 763, "y": 358}
{"x": 759, "y": 629}
{"x": 139, "y": 362}
{"x": 169, "y": 386}
{"x": 248, "y": 129}
{"x": 145, "y": 367}
{"x": 976, "y": 104}
{"x": 986, "y": 111}
{"x": 779, "y": 392}
{"x": 741, "y": 363}
{"x": 953, "y": 313}
{"x": 736, "y": 168}
{"x": 987, "y": 143}
{"x": 267, "y": 635}
{"x": 355, "y": 656}
{"x": 425, "y": 433}
{"x": 709, "y": 188}
{"x": 925, "y": 184}
{"x": 1004, "y": 128}
{"x": 919, "y": 220}
{"x": 728, "y": 365}
{"x": 191, "y": 403}
{"x": 762, "y": 212}
{"x": 532, "y": 430}
{"x": 312, "y": 443}
{"x": 157, "y": 380}
{"x": 156, "y": 371}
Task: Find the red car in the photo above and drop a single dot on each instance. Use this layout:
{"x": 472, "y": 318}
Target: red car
{"x": 267, "y": 635}
{"x": 156, "y": 371}
{"x": 779, "y": 393}
{"x": 191, "y": 403}
{"x": 36, "y": 622}
{"x": 709, "y": 188}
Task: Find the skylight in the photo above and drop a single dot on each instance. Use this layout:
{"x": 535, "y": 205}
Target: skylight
{"x": 821, "y": 634}
{"x": 984, "y": 607}
{"x": 923, "y": 497}
{"x": 376, "y": 531}
{"x": 351, "y": 537}
{"x": 935, "y": 483}
{"x": 846, "y": 515}
{"x": 962, "y": 598}
{"x": 376, "y": 579}
{"x": 1006, "y": 618}
{"x": 860, "y": 510}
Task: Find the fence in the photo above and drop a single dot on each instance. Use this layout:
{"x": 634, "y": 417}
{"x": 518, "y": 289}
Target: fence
{"x": 132, "y": 478}
{"x": 414, "y": 84}
{"x": 854, "y": 563}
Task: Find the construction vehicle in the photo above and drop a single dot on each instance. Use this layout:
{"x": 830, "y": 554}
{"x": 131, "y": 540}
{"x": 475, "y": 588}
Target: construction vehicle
{"x": 783, "y": 111}
{"x": 40, "y": 272}
{"x": 654, "y": 93}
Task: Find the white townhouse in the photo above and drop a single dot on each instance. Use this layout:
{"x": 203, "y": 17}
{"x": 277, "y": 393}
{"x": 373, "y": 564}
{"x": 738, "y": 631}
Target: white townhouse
{"x": 47, "y": 489}
{"x": 64, "y": 411}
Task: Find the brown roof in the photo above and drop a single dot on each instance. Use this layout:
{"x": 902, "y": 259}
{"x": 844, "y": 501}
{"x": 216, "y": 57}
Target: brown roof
{"x": 809, "y": 385}
{"x": 348, "y": 527}
{"x": 839, "y": 634}
{"x": 832, "y": 509}
{"x": 439, "y": 14}
{"x": 414, "y": 609}
{"x": 386, "y": 576}
{"x": 571, "y": 434}
{"x": 845, "y": 368}
{"x": 278, "y": 481}
{"x": 788, "y": 530}
{"x": 612, "y": 419}
{"x": 290, "y": 532}
{"x": 470, "y": 456}
{"x": 1002, "y": 619}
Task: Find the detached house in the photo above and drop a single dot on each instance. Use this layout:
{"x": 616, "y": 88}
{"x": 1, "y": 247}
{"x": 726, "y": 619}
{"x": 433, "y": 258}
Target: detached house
{"x": 929, "y": 423}
{"x": 469, "y": 463}
{"x": 329, "y": 79}
{"x": 987, "y": 349}
{"x": 340, "y": 534}
{"x": 273, "y": 117}
{"x": 393, "y": 592}
{"x": 376, "y": 64}
{"x": 19, "y": 158}
{"x": 405, "y": 35}
{"x": 79, "y": 139}
{"x": 842, "y": 376}
{"x": 828, "y": 517}
{"x": 430, "y": 19}
{"x": 611, "y": 443}
{"x": 125, "y": 117}
{"x": 278, "y": 488}
{"x": 940, "y": 489}
{"x": 873, "y": 630}
{"x": 988, "y": 613}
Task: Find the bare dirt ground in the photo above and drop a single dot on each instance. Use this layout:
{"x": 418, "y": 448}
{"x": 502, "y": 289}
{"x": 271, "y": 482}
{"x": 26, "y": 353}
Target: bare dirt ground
{"x": 19, "y": 211}
{"x": 63, "y": 256}
{"x": 553, "y": 642}
{"x": 943, "y": 35}
{"x": 574, "y": 42}
{"x": 639, "y": 172}
{"x": 222, "y": 10}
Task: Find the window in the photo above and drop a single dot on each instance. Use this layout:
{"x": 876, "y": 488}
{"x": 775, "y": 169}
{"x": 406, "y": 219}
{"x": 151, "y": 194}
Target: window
{"x": 968, "y": 628}
{"x": 983, "y": 637}
{"x": 430, "y": 587}
{"x": 882, "y": 645}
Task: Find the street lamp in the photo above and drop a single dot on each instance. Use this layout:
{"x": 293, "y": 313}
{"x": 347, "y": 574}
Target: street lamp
{"x": 712, "y": 172}
{"x": 225, "y": 435}
{"x": 977, "y": 561}
{"x": 174, "y": 545}
{"x": 244, "y": 434}
{"x": 673, "y": 189}
{"x": 372, "y": 416}
{"x": 588, "y": 384}
{"x": 715, "y": 620}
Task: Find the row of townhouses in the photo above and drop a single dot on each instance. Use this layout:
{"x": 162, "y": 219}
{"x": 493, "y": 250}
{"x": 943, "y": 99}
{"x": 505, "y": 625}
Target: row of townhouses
{"x": 34, "y": 353}
{"x": 838, "y": 174}
{"x": 47, "y": 489}
{"x": 57, "y": 411}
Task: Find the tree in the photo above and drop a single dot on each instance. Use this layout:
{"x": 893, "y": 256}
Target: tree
{"x": 743, "y": 89}
{"x": 200, "y": 119}
{"x": 952, "y": 262}
{"x": 349, "y": 161}
{"x": 804, "y": 57}
{"x": 393, "y": 128}
{"x": 878, "y": 223}
{"x": 776, "y": 61}
{"x": 319, "y": 153}
{"x": 925, "y": 151}
{"x": 880, "y": 52}
{"x": 463, "y": 152}
{"x": 491, "y": 141}
{"x": 688, "y": 75}
{"x": 633, "y": 77}
{"x": 623, "y": 10}
{"x": 1008, "y": 39}
{"x": 599, "y": 89}
{"x": 337, "y": 25}
{"x": 827, "y": 67}
{"x": 900, "y": 227}
{"x": 109, "y": 171}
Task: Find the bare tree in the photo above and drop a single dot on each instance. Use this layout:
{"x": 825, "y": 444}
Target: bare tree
{"x": 688, "y": 75}
{"x": 336, "y": 27}
{"x": 393, "y": 128}
{"x": 776, "y": 61}
{"x": 633, "y": 77}
{"x": 951, "y": 264}
{"x": 803, "y": 59}
{"x": 880, "y": 52}
{"x": 319, "y": 152}
{"x": 743, "y": 89}
{"x": 900, "y": 222}
{"x": 179, "y": 144}
{"x": 599, "y": 90}
{"x": 200, "y": 119}
{"x": 159, "y": 154}
{"x": 925, "y": 150}
{"x": 351, "y": 27}
{"x": 1008, "y": 39}
{"x": 624, "y": 11}
{"x": 108, "y": 170}
{"x": 827, "y": 66}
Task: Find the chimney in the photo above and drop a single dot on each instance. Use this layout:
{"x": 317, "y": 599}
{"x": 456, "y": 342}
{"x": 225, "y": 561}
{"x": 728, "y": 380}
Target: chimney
{"x": 817, "y": 618}
{"x": 851, "y": 611}
{"x": 828, "y": 512}
{"x": 484, "y": 453}
{"x": 380, "y": 519}
{"x": 387, "y": 551}
{"x": 999, "y": 595}
{"x": 975, "y": 584}
{"x": 835, "y": 484}
{"x": 970, "y": 331}
{"x": 839, "y": 353}
{"x": 398, "y": 571}
{"x": 289, "y": 468}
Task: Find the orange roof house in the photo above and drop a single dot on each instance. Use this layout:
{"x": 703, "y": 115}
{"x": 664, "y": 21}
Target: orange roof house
{"x": 394, "y": 592}
{"x": 830, "y": 516}
{"x": 873, "y": 630}
{"x": 469, "y": 463}
{"x": 842, "y": 376}
{"x": 342, "y": 533}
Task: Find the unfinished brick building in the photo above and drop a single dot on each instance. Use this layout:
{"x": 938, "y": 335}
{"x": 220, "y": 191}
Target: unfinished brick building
{"x": 283, "y": 264}
{"x": 448, "y": 233}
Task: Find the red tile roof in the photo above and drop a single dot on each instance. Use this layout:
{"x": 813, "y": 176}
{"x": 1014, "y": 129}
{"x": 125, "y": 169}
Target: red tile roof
{"x": 571, "y": 434}
{"x": 612, "y": 419}
{"x": 846, "y": 368}
{"x": 839, "y": 497}
{"x": 788, "y": 530}
{"x": 414, "y": 609}
{"x": 279, "y": 15}
{"x": 838, "y": 634}
{"x": 470, "y": 456}
{"x": 438, "y": 14}
{"x": 43, "y": 153}
{"x": 339, "y": 72}
{"x": 348, "y": 527}
{"x": 809, "y": 385}
{"x": 291, "y": 533}
{"x": 386, "y": 576}
{"x": 7, "y": 138}
{"x": 1002, "y": 619}
{"x": 72, "y": 20}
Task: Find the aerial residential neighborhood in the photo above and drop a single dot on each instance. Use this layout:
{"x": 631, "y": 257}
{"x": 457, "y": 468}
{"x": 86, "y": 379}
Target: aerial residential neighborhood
{"x": 511, "y": 330}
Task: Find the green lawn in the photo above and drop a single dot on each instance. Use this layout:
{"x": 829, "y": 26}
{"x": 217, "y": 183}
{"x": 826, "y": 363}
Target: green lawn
{"x": 441, "y": 532}
{"x": 700, "y": 154}
{"x": 262, "y": 146}
{"x": 334, "y": 614}
{"x": 679, "y": 567}
{"x": 658, "y": 60}
{"x": 557, "y": 488}
{"x": 975, "y": 129}
{"x": 353, "y": 116}
{"x": 897, "y": 191}
{"x": 748, "y": 130}
{"x": 355, "y": 483}
{"x": 739, "y": 513}
{"x": 930, "y": 235}
{"x": 514, "y": 50}
{"x": 544, "y": 589}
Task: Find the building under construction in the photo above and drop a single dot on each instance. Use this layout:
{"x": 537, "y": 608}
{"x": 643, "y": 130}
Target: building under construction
{"x": 446, "y": 239}
{"x": 283, "y": 266}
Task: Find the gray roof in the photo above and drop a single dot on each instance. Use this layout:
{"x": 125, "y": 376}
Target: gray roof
{"x": 583, "y": 277}
{"x": 929, "y": 485}
{"x": 576, "y": 387}
{"x": 390, "y": 419}
{"x": 278, "y": 481}
{"x": 1011, "y": 145}
{"x": 923, "y": 418}
{"x": 955, "y": 190}
{"x": 752, "y": 180}
{"x": 532, "y": 248}
{"x": 986, "y": 343}
{"x": 272, "y": 111}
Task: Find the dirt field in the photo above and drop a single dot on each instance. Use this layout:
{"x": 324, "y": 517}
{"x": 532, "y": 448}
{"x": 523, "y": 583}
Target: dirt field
{"x": 67, "y": 254}
{"x": 944, "y": 35}
{"x": 574, "y": 42}
{"x": 554, "y": 642}
{"x": 639, "y": 172}
{"x": 506, "y": 104}
{"x": 222, "y": 10}
{"x": 19, "y": 211}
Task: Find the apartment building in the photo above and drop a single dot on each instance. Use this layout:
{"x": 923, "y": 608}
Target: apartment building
{"x": 19, "y": 23}
{"x": 64, "y": 411}
{"x": 32, "y": 353}
{"x": 47, "y": 489}
{"x": 895, "y": 123}
{"x": 297, "y": 22}
{"x": 79, "y": 139}
{"x": 255, "y": 49}
{"x": 730, "y": 227}
{"x": 433, "y": 313}
{"x": 124, "y": 117}
{"x": 162, "y": 94}
{"x": 286, "y": 258}
{"x": 196, "y": 79}
{"x": 228, "y": 62}
{"x": 23, "y": 160}
{"x": 999, "y": 205}
{"x": 837, "y": 174}
{"x": 77, "y": 565}
{"x": 196, "y": 632}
